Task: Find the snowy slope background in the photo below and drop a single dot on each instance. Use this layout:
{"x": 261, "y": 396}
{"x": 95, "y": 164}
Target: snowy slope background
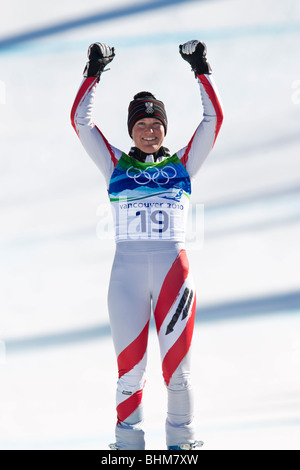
{"x": 57, "y": 364}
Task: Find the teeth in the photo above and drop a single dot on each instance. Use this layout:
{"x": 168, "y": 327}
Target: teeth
{"x": 149, "y": 139}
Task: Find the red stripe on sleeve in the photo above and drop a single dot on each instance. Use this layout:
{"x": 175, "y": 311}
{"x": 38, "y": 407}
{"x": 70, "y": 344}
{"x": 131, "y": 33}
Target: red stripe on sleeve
{"x": 112, "y": 155}
{"x": 86, "y": 87}
{"x": 218, "y": 110}
{"x": 185, "y": 157}
{"x": 215, "y": 102}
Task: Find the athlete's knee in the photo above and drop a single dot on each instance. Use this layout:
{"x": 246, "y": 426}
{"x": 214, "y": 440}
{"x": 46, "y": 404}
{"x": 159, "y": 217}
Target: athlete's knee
{"x": 180, "y": 382}
{"x": 131, "y": 383}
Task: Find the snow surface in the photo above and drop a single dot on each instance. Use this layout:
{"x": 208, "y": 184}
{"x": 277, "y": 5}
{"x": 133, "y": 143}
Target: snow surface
{"x": 57, "y": 363}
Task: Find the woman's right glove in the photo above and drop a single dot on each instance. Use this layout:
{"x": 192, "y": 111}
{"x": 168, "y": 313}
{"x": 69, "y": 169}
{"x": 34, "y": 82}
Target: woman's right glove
{"x": 99, "y": 56}
{"x": 194, "y": 52}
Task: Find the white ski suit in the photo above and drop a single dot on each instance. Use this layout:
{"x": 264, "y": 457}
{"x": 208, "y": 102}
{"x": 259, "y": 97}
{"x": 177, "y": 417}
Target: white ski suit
{"x": 150, "y": 270}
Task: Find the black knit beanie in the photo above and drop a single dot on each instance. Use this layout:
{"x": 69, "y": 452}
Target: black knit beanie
{"x": 145, "y": 105}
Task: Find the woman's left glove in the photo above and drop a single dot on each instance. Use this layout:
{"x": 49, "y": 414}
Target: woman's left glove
{"x": 194, "y": 52}
{"x": 99, "y": 56}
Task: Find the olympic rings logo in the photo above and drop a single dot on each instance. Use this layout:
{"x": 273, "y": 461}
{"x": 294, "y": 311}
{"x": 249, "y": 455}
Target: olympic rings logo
{"x": 159, "y": 176}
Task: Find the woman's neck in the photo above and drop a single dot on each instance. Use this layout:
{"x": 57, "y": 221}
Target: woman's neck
{"x": 138, "y": 154}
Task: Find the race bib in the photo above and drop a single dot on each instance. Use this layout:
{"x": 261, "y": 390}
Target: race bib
{"x": 150, "y": 200}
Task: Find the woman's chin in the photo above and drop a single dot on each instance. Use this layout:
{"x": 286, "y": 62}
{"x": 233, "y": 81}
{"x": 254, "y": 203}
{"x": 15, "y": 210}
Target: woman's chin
{"x": 149, "y": 148}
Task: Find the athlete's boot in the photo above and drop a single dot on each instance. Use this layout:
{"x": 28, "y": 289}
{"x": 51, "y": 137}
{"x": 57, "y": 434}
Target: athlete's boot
{"x": 194, "y": 445}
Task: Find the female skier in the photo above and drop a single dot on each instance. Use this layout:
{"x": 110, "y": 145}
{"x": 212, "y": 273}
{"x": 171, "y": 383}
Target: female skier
{"x": 149, "y": 191}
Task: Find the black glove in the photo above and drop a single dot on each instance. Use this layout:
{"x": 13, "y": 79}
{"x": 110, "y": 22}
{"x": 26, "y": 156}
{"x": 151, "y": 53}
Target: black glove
{"x": 194, "y": 52}
{"x": 99, "y": 56}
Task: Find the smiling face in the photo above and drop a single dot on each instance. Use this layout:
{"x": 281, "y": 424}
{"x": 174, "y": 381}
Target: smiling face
{"x": 148, "y": 135}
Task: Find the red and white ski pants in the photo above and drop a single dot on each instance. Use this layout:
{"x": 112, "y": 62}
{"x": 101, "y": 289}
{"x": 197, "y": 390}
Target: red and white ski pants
{"x": 152, "y": 275}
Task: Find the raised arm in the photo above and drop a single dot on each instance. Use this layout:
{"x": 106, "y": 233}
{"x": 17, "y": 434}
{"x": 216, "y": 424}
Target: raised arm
{"x": 203, "y": 140}
{"x": 96, "y": 145}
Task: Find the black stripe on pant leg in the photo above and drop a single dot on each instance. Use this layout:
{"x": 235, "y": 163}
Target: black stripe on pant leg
{"x": 179, "y": 309}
